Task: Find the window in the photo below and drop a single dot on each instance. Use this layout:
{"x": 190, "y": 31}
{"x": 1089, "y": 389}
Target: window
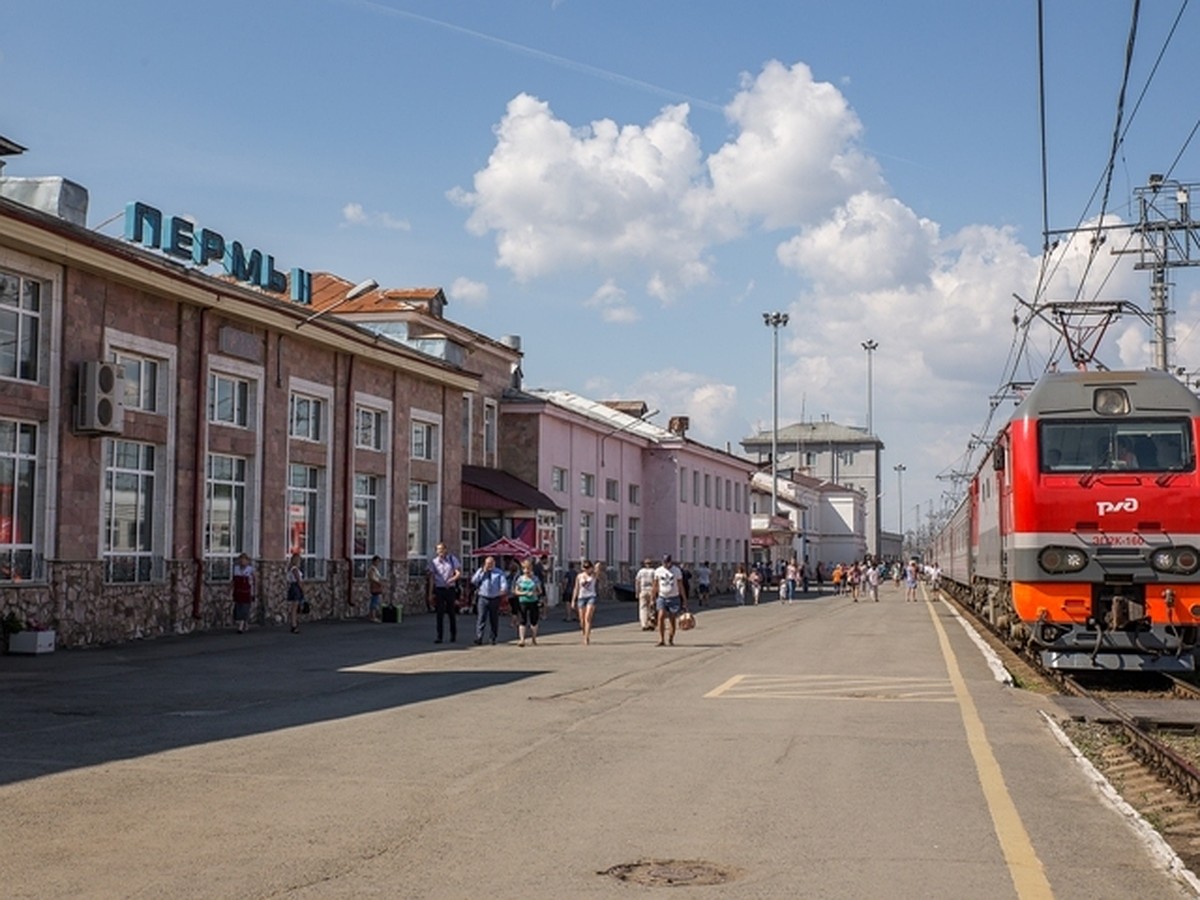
{"x": 18, "y": 488}
{"x": 708, "y": 547}
{"x": 585, "y": 535}
{"x": 224, "y": 514}
{"x": 707, "y": 489}
{"x": 1140, "y": 445}
{"x": 695, "y": 549}
{"x": 228, "y": 400}
{"x": 368, "y": 521}
{"x": 682, "y": 484}
{"x": 587, "y": 484}
{"x": 418, "y": 526}
{"x": 717, "y": 492}
{"x": 682, "y": 550}
{"x": 612, "y": 490}
{"x": 368, "y": 429}
{"x": 635, "y": 499}
{"x": 490, "y": 437}
{"x": 737, "y": 499}
{"x": 610, "y": 540}
{"x": 141, "y": 381}
{"x": 695, "y": 487}
{"x": 635, "y": 541}
{"x": 303, "y": 518}
{"x": 129, "y": 505}
{"x": 468, "y": 535}
{"x": 306, "y": 418}
{"x": 424, "y": 439}
{"x": 20, "y": 326}
{"x": 729, "y": 493}
{"x": 558, "y": 479}
{"x": 468, "y": 428}
{"x": 810, "y": 459}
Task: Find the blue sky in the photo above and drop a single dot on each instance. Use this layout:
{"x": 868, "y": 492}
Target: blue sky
{"x": 629, "y": 184}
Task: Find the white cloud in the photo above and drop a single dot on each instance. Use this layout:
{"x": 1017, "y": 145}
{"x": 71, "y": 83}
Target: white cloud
{"x": 796, "y": 152}
{"x": 870, "y": 243}
{"x": 643, "y": 199}
{"x": 613, "y": 304}
{"x": 711, "y": 407}
{"x": 472, "y": 293}
{"x": 353, "y": 214}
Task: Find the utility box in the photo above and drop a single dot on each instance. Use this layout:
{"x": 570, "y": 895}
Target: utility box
{"x": 100, "y": 398}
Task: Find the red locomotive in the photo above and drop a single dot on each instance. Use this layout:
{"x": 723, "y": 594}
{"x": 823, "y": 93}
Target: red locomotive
{"x": 1079, "y": 535}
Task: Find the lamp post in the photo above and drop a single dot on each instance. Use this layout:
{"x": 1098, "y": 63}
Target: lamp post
{"x": 363, "y": 287}
{"x": 870, "y": 346}
{"x": 900, "y": 467}
{"x": 774, "y": 321}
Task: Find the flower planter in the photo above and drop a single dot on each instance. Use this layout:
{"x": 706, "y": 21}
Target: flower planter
{"x": 31, "y": 642}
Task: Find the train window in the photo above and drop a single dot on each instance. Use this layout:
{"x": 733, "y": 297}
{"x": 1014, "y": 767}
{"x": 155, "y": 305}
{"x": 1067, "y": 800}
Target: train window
{"x": 1146, "y": 445}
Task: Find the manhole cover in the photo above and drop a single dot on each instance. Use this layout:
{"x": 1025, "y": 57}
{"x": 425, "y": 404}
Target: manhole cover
{"x": 672, "y": 872}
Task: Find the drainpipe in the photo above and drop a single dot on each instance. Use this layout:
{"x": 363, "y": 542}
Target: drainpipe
{"x": 198, "y": 466}
{"x": 348, "y": 492}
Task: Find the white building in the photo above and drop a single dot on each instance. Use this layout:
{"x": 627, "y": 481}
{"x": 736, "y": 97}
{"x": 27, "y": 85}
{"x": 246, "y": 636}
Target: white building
{"x": 823, "y": 523}
{"x": 839, "y": 455}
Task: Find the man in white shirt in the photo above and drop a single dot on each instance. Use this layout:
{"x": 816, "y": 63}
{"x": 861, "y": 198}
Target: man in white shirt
{"x": 643, "y": 585}
{"x": 670, "y": 597}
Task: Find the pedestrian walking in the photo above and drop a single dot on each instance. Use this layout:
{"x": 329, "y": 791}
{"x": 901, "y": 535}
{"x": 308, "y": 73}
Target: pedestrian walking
{"x": 584, "y": 599}
{"x": 375, "y": 588}
{"x": 244, "y": 591}
{"x": 874, "y": 576}
{"x": 910, "y": 582}
{"x": 790, "y": 575}
{"x": 643, "y": 583}
{"x": 295, "y": 592}
{"x": 525, "y": 591}
{"x": 670, "y": 598}
{"x": 755, "y": 584}
{"x": 740, "y": 583}
{"x": 443, "y": 574}
{"x": 491, "y": 587}
{"x": 703, "y": 582}
{"x": 568, "y": 591}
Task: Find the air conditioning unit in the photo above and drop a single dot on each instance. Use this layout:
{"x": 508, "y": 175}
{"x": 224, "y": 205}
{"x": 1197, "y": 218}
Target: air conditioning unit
{"x": 100, "y": 398}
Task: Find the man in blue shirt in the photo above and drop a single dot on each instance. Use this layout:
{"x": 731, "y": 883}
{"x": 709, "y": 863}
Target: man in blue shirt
{"x": 491, "y": 587}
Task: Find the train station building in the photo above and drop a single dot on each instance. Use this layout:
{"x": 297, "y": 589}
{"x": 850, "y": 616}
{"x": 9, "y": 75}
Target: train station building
{"x": 177, "y": 397}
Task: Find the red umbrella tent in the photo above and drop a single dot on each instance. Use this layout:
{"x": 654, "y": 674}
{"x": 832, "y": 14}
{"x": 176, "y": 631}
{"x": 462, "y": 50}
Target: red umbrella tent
{"x": 507, "y": 546}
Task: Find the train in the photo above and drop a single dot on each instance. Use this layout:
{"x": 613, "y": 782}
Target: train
{"x": 1079, "y": 535}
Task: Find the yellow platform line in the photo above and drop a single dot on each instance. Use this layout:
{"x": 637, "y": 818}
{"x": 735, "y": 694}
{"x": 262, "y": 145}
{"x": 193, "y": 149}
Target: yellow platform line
{"x": 1024, "y": 867}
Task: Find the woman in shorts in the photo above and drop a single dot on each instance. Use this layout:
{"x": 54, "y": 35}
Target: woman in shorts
{"x": 585, "y": 599}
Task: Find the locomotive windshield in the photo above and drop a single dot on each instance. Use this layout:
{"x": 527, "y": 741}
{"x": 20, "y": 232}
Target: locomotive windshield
{"x": 1128, "y": 445}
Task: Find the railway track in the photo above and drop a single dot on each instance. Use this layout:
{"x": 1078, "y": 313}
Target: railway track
{"x": 1141, "y": 741}
{"x": 1173, "y": 769}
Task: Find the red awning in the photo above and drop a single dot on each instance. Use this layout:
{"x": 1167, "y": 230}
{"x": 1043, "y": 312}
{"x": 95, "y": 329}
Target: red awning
{"x": 507, "y": 546}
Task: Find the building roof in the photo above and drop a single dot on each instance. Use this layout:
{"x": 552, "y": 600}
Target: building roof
{"x": 815, "y": 433}
{"x": 485, "y": 488}
{"x": 603, "y": 414}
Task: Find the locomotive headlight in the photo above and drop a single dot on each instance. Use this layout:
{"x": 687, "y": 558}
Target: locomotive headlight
{"x": 1176, "y": 560}
{"x": 1110, "y": 402}
{"x": 1163, "y": 560}
{"x": 1060, "y": 560}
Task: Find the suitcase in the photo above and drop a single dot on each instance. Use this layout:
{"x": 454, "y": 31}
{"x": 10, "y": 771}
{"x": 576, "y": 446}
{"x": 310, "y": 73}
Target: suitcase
{"x": 390, "y": 613}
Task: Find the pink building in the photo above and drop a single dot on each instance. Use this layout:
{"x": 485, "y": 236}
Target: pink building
{"x": 628, "y": 489}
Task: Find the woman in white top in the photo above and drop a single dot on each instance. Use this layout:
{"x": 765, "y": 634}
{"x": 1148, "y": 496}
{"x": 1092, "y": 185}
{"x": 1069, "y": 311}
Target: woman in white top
{"x": 585, "y": 598}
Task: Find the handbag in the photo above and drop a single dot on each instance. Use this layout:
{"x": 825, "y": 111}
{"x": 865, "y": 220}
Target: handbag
{"x": 305, "y": 608}
{"x": 687, "y": 621}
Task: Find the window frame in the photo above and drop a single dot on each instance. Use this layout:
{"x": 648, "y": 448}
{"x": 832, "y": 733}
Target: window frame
{"x": 312, "y": 427}
{"x": 29, "y": 330}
